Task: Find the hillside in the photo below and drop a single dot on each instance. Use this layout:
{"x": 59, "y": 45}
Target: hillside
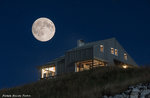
{"x": 87, "y": 84}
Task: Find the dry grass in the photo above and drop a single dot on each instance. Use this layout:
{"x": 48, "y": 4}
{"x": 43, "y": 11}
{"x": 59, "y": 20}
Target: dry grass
{"x": 87, "y": 84}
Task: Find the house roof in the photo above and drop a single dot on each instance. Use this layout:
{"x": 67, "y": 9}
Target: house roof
{"x": 52, "y": 62}
{"x": 90, "y": 44}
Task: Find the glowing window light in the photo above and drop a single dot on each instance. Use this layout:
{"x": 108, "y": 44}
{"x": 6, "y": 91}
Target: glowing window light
{"x": 52, "y": 69}
{"x": 125, "y": 56}
{"x": 47, "y": 71}
{"x": 101, "y": 48}
{"x": 116, "y": 52}
{"x": 112, "y": 50}
{"x": 43, "y": 71}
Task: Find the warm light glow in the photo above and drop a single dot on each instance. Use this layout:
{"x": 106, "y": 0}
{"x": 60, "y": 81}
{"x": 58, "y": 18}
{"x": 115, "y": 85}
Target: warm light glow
{"x": 116, "y": 52}
{"x": 112, "y": 50}
{"x": 46, "y": 72}
{"x": 86, "y": 65}
{"x": 125, "y": 66}
{"x": 101, "y": 48}
{"x": 125, "y": 56}
{"x": 43, "y": 71}
{"x": 52, "y": 69}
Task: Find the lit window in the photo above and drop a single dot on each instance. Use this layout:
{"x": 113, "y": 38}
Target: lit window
{"x": 116, "y": 52}
{"x": 101, "y": 48}
{"x": 49, "y": 71}
{"x": 112, "y": 50}
{"x": 125, "y": 56}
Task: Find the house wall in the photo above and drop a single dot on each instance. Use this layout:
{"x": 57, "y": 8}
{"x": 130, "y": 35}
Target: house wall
{"x": 106, "y": 55}
{"x": 61, "y": 67}
{"x": 77, "y": 55}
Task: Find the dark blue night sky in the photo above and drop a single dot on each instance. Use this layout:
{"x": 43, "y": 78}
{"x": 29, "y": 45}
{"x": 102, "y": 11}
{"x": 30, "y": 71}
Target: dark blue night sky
{"x": 21, "y": 53}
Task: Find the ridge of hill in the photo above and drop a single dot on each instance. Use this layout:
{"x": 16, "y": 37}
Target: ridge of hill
{"x": 87, "y": 84}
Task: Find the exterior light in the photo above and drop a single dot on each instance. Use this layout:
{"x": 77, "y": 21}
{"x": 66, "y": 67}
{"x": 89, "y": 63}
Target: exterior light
{"x": 125, "y": 66}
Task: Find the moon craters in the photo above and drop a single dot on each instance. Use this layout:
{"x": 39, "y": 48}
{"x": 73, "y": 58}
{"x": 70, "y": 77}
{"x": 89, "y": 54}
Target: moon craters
{"x": 43, "y": 29}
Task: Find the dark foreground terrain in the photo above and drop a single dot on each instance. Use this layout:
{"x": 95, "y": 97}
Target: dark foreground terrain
{"x": 88, "y": 84}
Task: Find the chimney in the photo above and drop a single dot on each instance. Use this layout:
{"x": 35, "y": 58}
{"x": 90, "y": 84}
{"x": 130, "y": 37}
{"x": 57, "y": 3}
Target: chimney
{"x": 80, "y": 43}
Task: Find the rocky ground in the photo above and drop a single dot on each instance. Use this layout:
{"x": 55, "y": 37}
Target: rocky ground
{"x": 137, "y": 91}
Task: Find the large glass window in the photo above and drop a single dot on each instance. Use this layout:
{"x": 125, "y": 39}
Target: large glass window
{"x": 86, "y": 65}
{"x": 47, "y": 72}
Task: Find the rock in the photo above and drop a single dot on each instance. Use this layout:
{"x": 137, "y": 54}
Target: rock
{"x": 125, "y": 96}
{"x": 131, "y": 87}
{"x": 144, "y": 87}
{"x": 134, "y": 93}
{"x": 141, "y": 87}
{"x": 144, "y": 93}
{"x": 134, "y": 96}
{"x": 141, "y": 90}
{"x": 147, "y": 96}
{"x": 128, "y": 92}
{"x": 118, "y": 96}
{"x": 142, "y": 97}
{"x": 148, "y": 87}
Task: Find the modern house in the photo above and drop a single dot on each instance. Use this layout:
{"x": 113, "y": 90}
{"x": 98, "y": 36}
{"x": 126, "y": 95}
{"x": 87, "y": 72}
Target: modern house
{"x": 87, "y": 56}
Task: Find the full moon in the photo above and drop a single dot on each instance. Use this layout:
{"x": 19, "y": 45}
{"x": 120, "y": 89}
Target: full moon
{"x": 43, "y": 29}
